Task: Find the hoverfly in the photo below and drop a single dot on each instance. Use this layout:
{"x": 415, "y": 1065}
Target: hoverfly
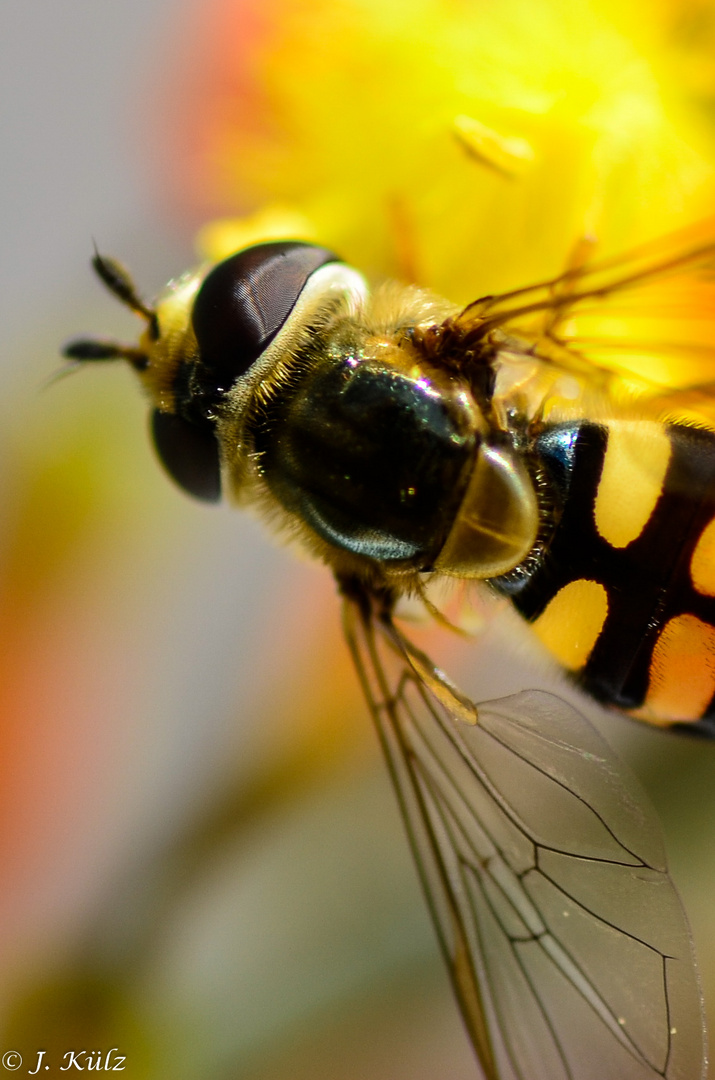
{"x": 400, "y": 438}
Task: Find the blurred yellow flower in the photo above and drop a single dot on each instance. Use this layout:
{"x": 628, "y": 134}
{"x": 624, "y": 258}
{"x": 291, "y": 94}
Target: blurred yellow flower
{"x": 466, "y": 146}
{"x": 463, "y": 144}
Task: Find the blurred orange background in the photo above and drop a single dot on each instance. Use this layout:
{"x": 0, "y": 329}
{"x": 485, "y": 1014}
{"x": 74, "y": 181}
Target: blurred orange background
{"x": 200, "y": 856}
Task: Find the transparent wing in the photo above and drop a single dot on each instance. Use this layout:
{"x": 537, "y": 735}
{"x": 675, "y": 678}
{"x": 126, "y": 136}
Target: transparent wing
{"x": 544, "y": 871}
{"x": 647, "y": 313}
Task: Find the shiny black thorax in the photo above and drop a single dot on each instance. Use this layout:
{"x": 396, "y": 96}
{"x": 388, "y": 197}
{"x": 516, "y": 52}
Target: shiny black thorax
{"x": 358, "y": 438}
{"x": 648, "y": 582}
{"x": 372, "y": 455}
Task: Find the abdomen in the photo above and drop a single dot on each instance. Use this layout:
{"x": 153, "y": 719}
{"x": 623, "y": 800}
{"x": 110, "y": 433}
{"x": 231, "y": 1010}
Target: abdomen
{"x": 621, "y": 588}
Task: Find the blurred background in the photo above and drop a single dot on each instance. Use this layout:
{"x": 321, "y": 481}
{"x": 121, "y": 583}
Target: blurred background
{"x": 201, "y": 862}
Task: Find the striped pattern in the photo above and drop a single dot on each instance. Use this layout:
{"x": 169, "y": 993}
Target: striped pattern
{"x": 651, "y": 650}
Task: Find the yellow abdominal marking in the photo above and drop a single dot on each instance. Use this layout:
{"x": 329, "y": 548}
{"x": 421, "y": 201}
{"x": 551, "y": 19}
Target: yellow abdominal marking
{"x": 634, "y": 468}
{"x": 702, "y": 564}
{"x": 682, "y": 669}
{"x": 570, "y": 624}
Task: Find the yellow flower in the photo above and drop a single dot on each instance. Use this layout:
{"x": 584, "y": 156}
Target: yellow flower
{"x": 466, "y": 146}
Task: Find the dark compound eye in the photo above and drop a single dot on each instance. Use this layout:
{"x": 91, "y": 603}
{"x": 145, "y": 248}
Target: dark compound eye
{"x": 189, "y": 453}
{"x": 245, "y": 300}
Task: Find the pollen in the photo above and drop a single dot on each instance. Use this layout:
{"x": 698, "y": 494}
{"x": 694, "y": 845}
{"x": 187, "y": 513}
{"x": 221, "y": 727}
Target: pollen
{"x": 504, "y": 154}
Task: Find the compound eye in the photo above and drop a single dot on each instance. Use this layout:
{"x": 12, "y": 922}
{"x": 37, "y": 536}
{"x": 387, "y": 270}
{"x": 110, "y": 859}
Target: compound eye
{"x": 189, "y": 453}
{"x": 245, "y": 300}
